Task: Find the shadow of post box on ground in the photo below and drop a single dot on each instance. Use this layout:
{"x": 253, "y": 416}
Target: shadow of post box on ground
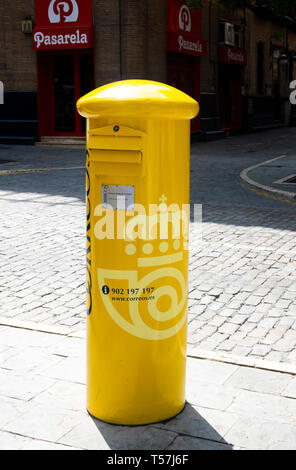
{"x": 138, "y": 169}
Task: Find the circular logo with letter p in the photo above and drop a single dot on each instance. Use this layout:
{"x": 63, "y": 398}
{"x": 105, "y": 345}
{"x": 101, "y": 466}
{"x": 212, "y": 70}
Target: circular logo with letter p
{"x": 185, "y": 19}
{"x": 63, "y": 11}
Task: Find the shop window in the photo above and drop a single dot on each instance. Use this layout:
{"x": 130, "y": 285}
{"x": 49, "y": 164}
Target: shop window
{"x": 64, "y": 93}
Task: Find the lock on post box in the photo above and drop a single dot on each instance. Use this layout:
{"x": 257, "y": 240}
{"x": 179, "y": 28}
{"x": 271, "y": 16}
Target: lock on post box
{"x": 138, "y": 162}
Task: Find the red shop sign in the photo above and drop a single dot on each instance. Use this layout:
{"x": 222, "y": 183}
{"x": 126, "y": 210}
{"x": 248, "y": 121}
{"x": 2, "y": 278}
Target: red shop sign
{"x": 63, "y": 38}
{"x": 184, "y": 29}
{"x": 232, "y": 55}
{"x": 63, "y": 24}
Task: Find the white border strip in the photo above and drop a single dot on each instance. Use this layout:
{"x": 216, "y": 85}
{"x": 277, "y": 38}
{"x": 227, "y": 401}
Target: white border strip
{"x": 242, "y": 361}
{"x": 194, "y": 353}
{"x": 38, "y": 170}
{"x": 39, "y": 328}
{"x": 244, "y": 176}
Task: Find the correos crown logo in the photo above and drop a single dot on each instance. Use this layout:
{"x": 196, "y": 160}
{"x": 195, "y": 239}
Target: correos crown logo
{"x": 185, "y": 19}
{"x": 63, "y": 11}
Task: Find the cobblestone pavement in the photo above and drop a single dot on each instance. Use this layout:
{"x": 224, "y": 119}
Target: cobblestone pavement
{"x": 229, "y": 407}
{"x": 242, "y": 275}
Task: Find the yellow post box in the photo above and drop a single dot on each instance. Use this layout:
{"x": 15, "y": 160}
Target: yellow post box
{"x": 138, "y": 161}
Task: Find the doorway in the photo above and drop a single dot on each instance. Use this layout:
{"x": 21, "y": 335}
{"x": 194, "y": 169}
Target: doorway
{"x": 230, "y": 93}
{"x": 63, "y": 77}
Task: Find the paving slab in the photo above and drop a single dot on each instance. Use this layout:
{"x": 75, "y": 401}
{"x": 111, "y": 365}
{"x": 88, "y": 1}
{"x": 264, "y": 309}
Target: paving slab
{"x": 224, "y": 408}
{"x": 192, "y": 443}
{"x": 253, "y": 433}
{"x": 257, "y": 380}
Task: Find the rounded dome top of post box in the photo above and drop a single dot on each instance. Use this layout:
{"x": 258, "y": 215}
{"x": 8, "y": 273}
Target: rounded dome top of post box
{"x": 141, "y": 98}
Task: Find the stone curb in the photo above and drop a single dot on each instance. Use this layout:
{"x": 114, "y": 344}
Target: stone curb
{"x": 195, "y": 353}
{"x": 50, "y": 329}
{"x": 243, "y": 361}
{"x": 37, "y": 170}
{"x": 244, "y": 176}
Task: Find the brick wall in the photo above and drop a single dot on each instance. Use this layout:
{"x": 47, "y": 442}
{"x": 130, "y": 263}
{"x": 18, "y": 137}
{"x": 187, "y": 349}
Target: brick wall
{"x": 257, "y": 30}
{"x": 130, "y": 40}
{"x": 107, "y": 44}
{"x": 17, "y": 58}
{"x": 139, "y": 38}
{"x": 261, "y": 30}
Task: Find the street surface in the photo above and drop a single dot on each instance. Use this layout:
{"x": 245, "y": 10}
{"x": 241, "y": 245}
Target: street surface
{"x": 242, "y": 275}
{"x": 42, "y": 403}
{"x": 241, "y": 384}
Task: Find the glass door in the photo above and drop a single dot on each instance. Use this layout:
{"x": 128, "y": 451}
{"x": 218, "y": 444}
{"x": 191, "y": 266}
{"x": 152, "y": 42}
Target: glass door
{"x": 64, "y": 94}
{"x": 73, "y": 77}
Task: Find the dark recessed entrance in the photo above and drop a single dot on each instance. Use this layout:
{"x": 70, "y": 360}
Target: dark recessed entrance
{"x": 230, "y": 92}
{"x": 63, "y": 77}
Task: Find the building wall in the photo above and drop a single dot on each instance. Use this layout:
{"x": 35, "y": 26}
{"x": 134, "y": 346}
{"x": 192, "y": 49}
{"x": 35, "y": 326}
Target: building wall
{"x": 107, "y": 47}
{"x": 130, "y": 41}
{"x": 271, "y": 103}
{"x": 265, "y": 107}
{"x": 18, "y": 114}
{"x": 210, "y": 106}
{"x": 17, "y": 58}
{"x": 262, "y": 30}
{"x": 156, "y": 52}
{"x": 211, "y": 14}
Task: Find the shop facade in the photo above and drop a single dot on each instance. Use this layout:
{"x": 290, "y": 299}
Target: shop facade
{"x": 230, "y": 82}
{"x": 55, "y": 51}
{"x": 237, "y": 64}
{"x": 185, "y": 47}
{"x": 64, "y": 43}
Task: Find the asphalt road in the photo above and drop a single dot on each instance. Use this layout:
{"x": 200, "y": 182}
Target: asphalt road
{"x": 216, "y": 168}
